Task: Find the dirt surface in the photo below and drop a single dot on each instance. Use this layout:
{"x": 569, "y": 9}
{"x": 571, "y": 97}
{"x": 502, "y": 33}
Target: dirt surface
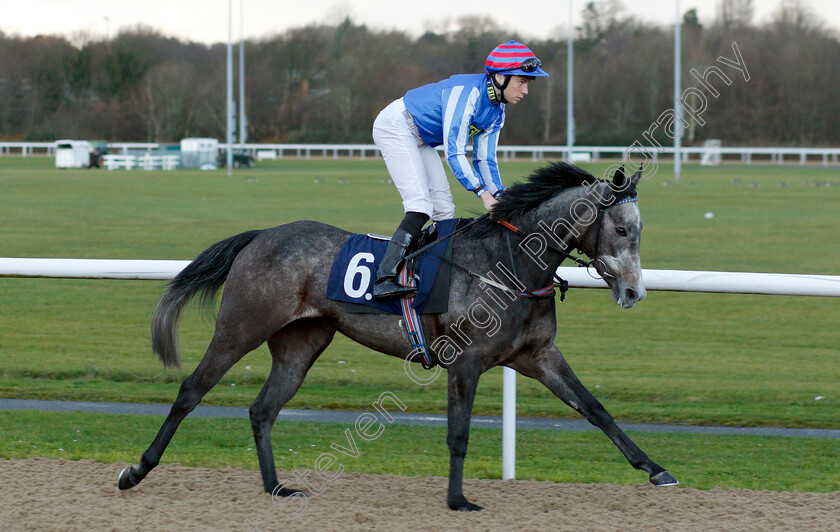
{"x": 41, "y": 494}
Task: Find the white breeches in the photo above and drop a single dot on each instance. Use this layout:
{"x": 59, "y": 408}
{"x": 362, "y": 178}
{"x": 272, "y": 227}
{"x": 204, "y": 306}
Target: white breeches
{"x": 415, "y": 167}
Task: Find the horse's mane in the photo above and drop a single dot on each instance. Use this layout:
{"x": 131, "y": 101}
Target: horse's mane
{"x": 527, "y": 195}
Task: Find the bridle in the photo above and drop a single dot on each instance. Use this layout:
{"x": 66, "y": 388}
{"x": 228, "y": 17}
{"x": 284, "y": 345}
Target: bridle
{"x": 604, "y": 273}
{"x": 566, "y": 255}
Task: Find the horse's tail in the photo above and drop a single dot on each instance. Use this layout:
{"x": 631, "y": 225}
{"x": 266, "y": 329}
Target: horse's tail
{"x": 203, "y": 276}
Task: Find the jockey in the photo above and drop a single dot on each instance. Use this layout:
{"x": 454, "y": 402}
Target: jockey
{"x": 450, "y": 113}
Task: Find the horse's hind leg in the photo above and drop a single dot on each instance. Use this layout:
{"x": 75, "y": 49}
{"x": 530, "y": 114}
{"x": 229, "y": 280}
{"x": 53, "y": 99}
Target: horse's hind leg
{"x": 219, "y": 358}
{"x": 293, "y": 350}
{"x": 550, "y": 368}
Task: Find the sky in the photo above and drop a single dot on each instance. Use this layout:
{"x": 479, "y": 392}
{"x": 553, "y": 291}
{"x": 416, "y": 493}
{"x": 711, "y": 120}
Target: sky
{"x": 206, "y": 21}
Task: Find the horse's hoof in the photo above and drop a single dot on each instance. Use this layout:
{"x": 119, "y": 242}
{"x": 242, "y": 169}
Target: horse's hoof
{"x": 464, "y": 505}
{"x": 280, "y": 491}
{"x": 663, "y": 478}
{"x": 124, "y": 481}
{"x": 469, "y": 507}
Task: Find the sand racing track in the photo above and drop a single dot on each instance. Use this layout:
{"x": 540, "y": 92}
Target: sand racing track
{"x": 42, "y": 494}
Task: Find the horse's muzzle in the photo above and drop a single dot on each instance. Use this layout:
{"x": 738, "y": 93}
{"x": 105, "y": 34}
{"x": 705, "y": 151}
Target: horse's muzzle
{"x": 627, "y": 296}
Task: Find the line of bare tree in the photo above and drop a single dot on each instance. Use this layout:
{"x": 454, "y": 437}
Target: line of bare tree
{"x": 326, "y": 83}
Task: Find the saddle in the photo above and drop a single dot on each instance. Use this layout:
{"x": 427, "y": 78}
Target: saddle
{"x": 354, "y": 271}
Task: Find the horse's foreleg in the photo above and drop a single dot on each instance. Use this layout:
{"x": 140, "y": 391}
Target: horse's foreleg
{"x": 218, "y": 359}
{"x": 550, "y": 368}
{"x": 294, "y": 349}
{"x": 461, "y": 389}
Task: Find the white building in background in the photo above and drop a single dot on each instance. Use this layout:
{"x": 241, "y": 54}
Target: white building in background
{"x": 72, "y": 154}
{"x": 200, "y": 153}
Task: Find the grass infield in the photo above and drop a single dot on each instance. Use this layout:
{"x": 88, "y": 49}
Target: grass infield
{"x": 674, "y": 358}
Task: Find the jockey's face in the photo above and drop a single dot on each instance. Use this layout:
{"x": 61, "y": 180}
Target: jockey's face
{"x": 516, "y": 89}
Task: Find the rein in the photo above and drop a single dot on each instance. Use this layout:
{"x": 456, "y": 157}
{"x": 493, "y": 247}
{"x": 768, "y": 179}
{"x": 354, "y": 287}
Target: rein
{"x": 552, "y": 247}
{"x": 548, "y": 291}
{"x": 538, "y": 293}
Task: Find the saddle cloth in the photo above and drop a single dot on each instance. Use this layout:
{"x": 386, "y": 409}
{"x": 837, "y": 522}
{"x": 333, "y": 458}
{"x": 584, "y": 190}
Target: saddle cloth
{"x": 354, "y": 271}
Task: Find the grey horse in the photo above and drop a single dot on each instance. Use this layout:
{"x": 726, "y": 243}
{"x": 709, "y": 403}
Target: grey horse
{"x": 501, "y": 310}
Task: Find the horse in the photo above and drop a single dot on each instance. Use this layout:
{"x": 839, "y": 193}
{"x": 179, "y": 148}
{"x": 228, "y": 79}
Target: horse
{"x": 275, "y": 292}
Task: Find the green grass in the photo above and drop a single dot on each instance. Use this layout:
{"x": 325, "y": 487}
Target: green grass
{"x": 675, "y": 358}
{"x": 703, "y": 462}
{"x": 682, "y": 358}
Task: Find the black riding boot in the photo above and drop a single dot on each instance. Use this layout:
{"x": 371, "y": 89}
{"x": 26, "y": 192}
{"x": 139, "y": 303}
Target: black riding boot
{"x": 386, "y": 285}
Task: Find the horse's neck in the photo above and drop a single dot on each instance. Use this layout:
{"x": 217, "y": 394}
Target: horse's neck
{"x": 549, "y": 225}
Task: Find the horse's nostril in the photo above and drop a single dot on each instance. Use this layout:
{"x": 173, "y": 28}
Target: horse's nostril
{"x": 631, "y": 294}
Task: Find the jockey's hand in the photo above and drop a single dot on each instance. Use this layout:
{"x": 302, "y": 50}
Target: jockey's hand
{"x": 488, "y": 200}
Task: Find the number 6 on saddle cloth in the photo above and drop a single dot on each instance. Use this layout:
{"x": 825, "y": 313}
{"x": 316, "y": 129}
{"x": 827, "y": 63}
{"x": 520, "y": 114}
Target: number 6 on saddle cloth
{"x": 353, "y": 273}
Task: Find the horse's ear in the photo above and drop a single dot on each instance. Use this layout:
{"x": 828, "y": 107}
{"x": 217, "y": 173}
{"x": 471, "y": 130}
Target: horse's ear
{"x": 619, "y": 181}
{"x": 634, "y": 179}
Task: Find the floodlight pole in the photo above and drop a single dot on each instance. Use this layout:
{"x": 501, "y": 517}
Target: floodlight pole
{"x": 229, "y": 114}
{"x": 570, "y": 113}
{"x": 678, "y": 122}
{"x": 243, "y": 121}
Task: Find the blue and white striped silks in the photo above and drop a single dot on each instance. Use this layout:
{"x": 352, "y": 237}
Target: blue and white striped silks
{"x": 451, "y": 113}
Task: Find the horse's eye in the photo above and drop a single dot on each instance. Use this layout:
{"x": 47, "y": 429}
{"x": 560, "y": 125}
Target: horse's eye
{"x": 621, "y": 231}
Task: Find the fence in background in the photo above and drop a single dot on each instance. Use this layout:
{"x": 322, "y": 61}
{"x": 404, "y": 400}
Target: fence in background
{"x": 746, "y": 154}
{"x": 147, "y": 161}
